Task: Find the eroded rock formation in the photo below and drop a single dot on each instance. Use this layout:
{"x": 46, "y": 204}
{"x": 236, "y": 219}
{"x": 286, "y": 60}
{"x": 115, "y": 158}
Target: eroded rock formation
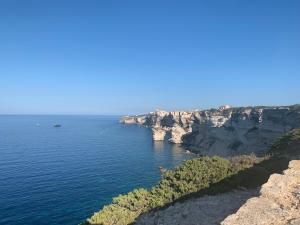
{"x": 158, "y": 134}
{"x": 223, "y": 131}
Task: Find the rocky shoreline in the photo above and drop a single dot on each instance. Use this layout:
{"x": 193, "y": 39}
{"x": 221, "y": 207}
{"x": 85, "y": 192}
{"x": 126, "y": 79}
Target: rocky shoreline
{"x": 224, "y": 131}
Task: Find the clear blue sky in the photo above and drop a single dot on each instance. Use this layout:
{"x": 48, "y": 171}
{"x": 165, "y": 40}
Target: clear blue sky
{"x": 123, "y": 57}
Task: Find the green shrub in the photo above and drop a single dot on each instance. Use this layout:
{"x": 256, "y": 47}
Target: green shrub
{"x": 282, "y": 145}
{"x": 124, "y": 208}
{"x": 192, "y": 176}
{"x": 197, "y": 175}
{"x": 136, "y": 200}
{"x": 113, "y": 214}
{"x": 241, "y": 162}
{"x": 189, "y": 177}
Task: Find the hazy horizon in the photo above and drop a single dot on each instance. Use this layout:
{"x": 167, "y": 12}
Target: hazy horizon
{"x": 125, "y": 114}
{"x": 119, "y": 58}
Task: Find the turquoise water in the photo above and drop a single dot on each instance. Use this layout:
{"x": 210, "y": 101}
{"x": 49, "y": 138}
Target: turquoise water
{"x": 62, "y": 175}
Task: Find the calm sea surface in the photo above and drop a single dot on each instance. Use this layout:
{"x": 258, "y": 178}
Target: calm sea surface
{"x": 62, "y": 175}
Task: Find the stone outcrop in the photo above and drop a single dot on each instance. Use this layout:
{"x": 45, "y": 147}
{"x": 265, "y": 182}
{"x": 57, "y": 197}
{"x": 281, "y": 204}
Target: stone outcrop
{"x": 177, "y": 132}
{"x": 278, "y": 203}
{"x": 223, "y": 131}
{"x": 158, "y": 134}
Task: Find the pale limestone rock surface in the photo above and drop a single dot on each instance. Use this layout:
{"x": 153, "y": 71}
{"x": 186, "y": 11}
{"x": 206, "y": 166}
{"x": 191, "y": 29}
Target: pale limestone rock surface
{"x": 158, "y": 134}
{"x": 129, "y": 120}
{"x": 278, "y": 203}
{"x": 224, "y": 131}
{"x": 176, "y": 134}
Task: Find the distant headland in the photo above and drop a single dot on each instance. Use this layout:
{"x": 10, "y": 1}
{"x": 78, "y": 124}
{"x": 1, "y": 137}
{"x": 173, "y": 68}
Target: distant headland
{"x": 223, "y": 131}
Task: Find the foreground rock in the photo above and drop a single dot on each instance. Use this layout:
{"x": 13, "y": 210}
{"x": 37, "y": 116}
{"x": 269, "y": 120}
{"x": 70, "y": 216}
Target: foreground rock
{"x": 224, "y": 131}
{"x": 278, "y": 203}
{"x": 207, "y": 210}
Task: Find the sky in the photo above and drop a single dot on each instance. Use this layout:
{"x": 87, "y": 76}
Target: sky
{"x": 128, "y": 57}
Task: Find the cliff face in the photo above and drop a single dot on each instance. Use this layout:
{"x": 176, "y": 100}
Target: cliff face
{"x": 223, "y": 131}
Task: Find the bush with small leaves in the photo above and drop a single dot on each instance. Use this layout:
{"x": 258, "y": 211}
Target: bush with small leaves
{"x": 189, "y": 177}
{"x": 193, "y": 176}
{"x": 281, "y": 146}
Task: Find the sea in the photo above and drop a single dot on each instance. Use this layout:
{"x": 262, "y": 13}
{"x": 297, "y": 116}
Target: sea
{"x": 62, "y": 175}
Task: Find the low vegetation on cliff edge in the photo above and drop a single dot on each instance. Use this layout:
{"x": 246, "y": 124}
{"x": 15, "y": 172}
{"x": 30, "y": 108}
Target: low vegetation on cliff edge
{"x": 286, "y": 144}
{"x": 203, "y": 175}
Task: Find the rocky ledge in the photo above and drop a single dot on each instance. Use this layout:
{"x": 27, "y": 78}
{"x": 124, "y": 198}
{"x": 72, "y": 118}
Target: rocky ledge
{"x": 223, "y": 131}
{"x": 278, "y": 203}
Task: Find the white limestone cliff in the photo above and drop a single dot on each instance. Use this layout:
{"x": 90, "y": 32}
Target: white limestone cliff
{"x": 223, "y": 131}
{"x": 158, "y": 134}
{"x": 177, "y": 132}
